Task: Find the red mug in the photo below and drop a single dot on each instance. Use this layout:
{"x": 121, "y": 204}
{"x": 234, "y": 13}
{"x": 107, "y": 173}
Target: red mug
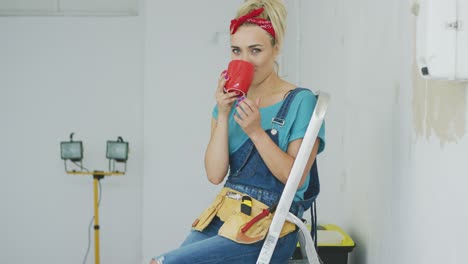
{"x": 240, "y": 75}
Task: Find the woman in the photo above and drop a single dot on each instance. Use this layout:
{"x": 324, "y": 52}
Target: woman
{"x": 254, "y": 141}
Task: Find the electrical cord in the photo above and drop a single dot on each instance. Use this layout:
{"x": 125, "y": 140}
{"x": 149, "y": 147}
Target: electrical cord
{"x": 91, "y": 224}
{"x": 80, "y": 165}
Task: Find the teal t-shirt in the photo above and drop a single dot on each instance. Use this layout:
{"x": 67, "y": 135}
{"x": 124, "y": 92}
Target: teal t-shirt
{"x": 296, "y": 123}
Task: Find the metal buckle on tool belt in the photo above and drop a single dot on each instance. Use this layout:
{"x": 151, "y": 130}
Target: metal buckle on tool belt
{"x": 234, "y": 196}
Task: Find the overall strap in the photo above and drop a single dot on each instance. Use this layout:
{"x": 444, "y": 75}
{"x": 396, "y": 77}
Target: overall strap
{"x": 283, "y": 111}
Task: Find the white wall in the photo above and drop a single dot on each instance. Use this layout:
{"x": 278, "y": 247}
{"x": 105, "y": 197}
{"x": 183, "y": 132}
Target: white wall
{"x": 184, "y": 59}
{"x": 394, "y": 166}
{"x": 350, "y": 54}
{"x": 60, "y": 75}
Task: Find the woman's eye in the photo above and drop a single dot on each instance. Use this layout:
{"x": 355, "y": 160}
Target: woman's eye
{"x": 256, "y": 50}
{"x": 235, "y": 51}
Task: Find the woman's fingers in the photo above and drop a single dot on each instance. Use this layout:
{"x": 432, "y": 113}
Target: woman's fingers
{"x": 222, "y": 82}
{"x": 225, "y": 101}
{"x": 247, "y": 106}
{"x": 248, "y": 116}
{"x": 230, "y": 99}
{"x": 232, "y": 96}
{"x": 241, "y": 112}
{"x": 238, "y": 119}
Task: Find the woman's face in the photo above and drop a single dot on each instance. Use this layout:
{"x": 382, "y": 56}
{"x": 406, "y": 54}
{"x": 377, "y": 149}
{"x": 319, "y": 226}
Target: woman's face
{"x": 253, "y": 44}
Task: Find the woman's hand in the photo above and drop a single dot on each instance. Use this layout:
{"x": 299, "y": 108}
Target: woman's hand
{"x": 217, "y": 151}
{"x": 223, "y": 99}
{"x": 248, "y": 116}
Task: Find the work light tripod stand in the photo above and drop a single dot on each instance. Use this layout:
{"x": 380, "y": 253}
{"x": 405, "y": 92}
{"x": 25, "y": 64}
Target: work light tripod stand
{"x": 116, "y": 151}
{"x": 97, "y": 176}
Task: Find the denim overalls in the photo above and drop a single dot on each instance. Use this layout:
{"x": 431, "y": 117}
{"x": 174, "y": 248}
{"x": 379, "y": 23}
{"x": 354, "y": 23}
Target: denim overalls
{"x": 248, "y": 174}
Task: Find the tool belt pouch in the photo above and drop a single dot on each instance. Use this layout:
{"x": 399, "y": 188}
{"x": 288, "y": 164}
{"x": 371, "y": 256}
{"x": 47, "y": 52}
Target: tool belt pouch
{"x": 232, "y": 228}
{"x": 208, "y": 214}
{"x": 228, "y": 210}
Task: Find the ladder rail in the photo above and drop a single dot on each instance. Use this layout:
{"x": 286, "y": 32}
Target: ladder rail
{"x": 292, "y": 184}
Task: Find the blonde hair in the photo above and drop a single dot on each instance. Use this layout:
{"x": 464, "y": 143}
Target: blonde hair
{"x": 274, "y": 10}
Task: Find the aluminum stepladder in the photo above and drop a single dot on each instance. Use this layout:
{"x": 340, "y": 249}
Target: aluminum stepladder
{"x": 282, "y": 212}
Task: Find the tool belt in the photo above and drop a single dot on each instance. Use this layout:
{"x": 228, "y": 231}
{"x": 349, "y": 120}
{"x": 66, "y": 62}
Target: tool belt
{"x": 246, "y": 221}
